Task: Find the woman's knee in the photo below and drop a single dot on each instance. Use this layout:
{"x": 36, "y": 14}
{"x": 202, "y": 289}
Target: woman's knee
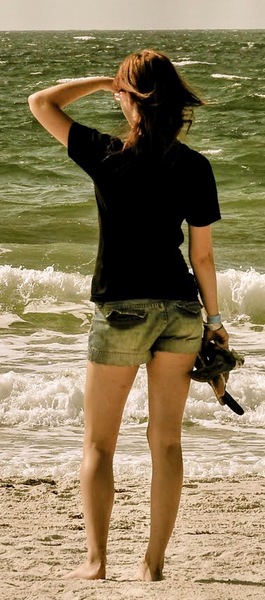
{"x": 100, "y": 453}
{"x": 166, "y": 443}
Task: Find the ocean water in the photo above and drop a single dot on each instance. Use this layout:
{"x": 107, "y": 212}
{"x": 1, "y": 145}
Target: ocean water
{"x": 48, "y": 240}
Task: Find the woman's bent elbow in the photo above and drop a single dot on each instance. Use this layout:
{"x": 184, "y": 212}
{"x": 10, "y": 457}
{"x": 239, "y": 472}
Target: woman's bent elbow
{"x": 36, "y": 102}
{"x": 33, "y": 101}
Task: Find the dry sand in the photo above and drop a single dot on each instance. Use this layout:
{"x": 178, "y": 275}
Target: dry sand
{"x": 217, "y": 551}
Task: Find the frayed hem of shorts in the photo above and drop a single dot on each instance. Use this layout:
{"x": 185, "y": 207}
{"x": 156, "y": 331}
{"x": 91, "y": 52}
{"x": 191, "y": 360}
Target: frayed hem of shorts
{"x": 118, "y": 359}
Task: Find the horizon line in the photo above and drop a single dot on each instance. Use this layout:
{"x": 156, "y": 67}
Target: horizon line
{"x": 8, "y": 30}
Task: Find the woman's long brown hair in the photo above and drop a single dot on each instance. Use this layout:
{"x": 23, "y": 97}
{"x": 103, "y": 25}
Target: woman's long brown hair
{"x": 163, "y": 99}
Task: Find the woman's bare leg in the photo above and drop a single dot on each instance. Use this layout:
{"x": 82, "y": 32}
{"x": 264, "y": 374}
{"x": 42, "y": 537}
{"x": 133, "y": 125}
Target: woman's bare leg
{"x": 168, "y": 386}
{"x": 107, "y": 388}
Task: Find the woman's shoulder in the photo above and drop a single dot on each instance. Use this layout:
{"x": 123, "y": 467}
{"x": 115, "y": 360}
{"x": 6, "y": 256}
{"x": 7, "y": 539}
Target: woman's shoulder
{"x": 84, "y": 134}
{"x": 192, "y": 154}
{"x": 88, "y": 147}
{"x": 181, "y": 156}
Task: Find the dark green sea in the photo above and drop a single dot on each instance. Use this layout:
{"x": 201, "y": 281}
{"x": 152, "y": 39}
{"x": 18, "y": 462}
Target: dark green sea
{"x": 48, "y": 241}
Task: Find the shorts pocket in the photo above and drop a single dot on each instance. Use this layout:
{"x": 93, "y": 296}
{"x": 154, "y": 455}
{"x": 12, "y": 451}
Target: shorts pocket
{"x": 124, "y": 317}
{"x": 193, "y": 308}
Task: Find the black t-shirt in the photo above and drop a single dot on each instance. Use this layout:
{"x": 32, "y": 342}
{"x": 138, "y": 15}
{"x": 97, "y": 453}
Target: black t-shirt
{"x": 142, "y": 203}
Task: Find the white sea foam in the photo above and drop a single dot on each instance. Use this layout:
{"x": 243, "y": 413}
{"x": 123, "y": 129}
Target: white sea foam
{"x": 186, "y": 61}
{"x": 7, "y": 319}
{"x": 241, "y": 293}
{"x": 226, "y": 76}
{"x": 52, "y": 396}
{"x": 4, "y": 250}
{"x": 39, "y": 400}
{"x": 84, "y": 37}
{"x": 26, "y": 285}
{"x": 214, "y": 152}
{"x": 67, "y": 79}
{"x": 41, "y": 421}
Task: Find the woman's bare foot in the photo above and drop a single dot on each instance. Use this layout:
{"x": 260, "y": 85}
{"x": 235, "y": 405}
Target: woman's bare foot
{"x": 88, "y": 570}
{"x": 146, "y": 573}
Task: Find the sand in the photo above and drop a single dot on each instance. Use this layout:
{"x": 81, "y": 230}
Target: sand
{"x": 217, "y": 551}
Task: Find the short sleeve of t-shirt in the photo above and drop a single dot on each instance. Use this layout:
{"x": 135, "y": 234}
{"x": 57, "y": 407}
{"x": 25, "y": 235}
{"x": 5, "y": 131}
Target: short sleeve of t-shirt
{"x": 87, "y": 147}
{"x": 202, "y": 207}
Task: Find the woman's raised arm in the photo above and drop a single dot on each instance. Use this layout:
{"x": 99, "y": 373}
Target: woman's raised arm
{"x": 46, "y": 105}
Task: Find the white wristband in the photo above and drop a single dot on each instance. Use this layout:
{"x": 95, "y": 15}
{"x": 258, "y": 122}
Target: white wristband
{"x": 214, "y": 319}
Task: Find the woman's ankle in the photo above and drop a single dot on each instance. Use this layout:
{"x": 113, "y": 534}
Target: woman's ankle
{"x": 151, "y": 570}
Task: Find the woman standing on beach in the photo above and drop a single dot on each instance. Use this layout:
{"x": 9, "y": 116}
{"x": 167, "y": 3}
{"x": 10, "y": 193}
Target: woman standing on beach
{"x": 147, "y": 307}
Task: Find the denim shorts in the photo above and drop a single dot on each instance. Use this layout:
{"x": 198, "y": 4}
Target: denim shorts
{"x": 128, "y": 332}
